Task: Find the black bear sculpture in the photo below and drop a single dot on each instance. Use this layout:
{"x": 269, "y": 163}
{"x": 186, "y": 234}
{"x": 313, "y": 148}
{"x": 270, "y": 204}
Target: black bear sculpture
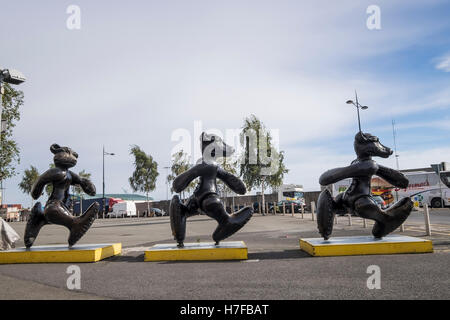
{"x": 357, "y": 198}
{"x": 56, "y": 209}
{"x": 205, "y": 197}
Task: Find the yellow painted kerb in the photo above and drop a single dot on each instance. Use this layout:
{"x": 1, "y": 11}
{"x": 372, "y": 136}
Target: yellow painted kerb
{"x": 90, "y": 254}
{"x": 323, "y": 250}
{"x": 194, "y": 254}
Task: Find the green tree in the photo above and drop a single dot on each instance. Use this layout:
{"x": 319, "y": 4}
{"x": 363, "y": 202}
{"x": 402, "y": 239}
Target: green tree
{"x": 28, "y": 179}
{"x": 261, "y": 165}
{"x": 12, "y": 100}
{"x": 78, "y": 190}
{"x": 180, "y": 164}
{"x": 145, "y": 172}
{"x": 49, "y": 187}
{"x": 230, "y": 165}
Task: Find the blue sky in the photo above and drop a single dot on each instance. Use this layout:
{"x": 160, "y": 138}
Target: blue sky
{"x": 137, "y": 71}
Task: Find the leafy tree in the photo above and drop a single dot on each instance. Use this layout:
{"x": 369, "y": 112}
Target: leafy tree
{"x": 28, "y": 179}
{"x": 145, "y": 172}
{"x": 180, "y": 164}
{"x": 231, "y": 166}
{"x": 78, "y": 190}
{"x": 49, "y": 187}
{"x": 260, "y": 164}
{"x": 12, "y": 100}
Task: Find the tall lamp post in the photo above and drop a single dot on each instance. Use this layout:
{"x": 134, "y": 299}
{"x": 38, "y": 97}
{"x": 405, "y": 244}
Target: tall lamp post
{"x": 167, "y": 182}
{"x": 10, "y": 76}
{"x": 358, "y": 106}
{"x": 103, "y": 197}
{"x": 394, "y": 134}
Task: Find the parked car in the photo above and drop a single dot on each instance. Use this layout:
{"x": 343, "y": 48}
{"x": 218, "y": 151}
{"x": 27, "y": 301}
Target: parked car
{"x": 278, "y": 207}
{"x": 155, "y": 212}
{"x": 380, "y": 202}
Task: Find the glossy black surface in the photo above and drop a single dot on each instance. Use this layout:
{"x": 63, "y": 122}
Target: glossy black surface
{"x": 205, "y": 197}
{"x": 57, "y": 209}
{"x": 357, "y": 198}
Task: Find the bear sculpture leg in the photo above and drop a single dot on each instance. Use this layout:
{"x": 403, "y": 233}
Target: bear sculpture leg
{"x": 228, "y": 223}
{"x": 385, "y": 221}
{"x": 82, "y": 223}
{"x": 56, "y": 213}
{"x": 326, "y": 210}
{"x": 177, "y": 213}
{"x": 35, "y": 223}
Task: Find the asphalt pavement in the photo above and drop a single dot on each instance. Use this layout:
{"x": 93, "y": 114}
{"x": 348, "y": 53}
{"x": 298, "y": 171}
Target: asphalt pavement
{"x": 275, "y": 269}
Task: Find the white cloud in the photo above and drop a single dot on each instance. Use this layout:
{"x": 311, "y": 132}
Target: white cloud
{"x": 133, "y": 74}
{"x": 443, "y": 63}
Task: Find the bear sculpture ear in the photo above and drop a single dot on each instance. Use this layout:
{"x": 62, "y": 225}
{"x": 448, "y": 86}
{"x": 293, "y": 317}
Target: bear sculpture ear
{"x": 206, "y": 137}
{"x": 361, "y": 137}
{"x": 55, "y": 148}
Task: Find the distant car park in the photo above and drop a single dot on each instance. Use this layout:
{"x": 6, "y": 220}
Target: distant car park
{"x": 380, "y": 202}
{"x": 278, "y": 207}
{"x": 156, "y": 212}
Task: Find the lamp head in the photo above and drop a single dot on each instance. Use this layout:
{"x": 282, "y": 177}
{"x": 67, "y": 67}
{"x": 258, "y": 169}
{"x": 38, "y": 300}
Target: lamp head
{"x": 12, "y": 76}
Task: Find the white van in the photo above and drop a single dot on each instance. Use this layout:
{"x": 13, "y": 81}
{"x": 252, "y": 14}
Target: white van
{"x": 123, "y": 209}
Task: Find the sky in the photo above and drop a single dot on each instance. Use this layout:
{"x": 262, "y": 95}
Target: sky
{"x": 138, "y": 72}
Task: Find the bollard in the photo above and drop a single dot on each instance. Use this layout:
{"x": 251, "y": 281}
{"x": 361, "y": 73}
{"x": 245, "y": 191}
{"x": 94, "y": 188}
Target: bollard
{"x": 313, "y": 209}
{"x": 402, "y": 227}
{"x": 364, "y": 223}
{"x": 335, "y": 219}
{"x": 427, "y": 221}
{"x": 303, "y": 210}
{"x": 349, "y": 219}
{"x": 284, "y": 208}
{"x": 292, "y": 208}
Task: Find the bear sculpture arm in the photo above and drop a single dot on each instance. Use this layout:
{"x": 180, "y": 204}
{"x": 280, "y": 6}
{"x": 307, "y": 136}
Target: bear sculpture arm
{"x": 51, "y": 175}
{"x": 233, "y": 182}
{"x": 84, "y": 183}
{"x": 358, "y": 169}
{"x": 394, "y": 177}
{"x": 182, "y": 181}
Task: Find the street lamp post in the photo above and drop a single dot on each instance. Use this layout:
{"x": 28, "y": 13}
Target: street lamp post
{"x": 10, "y": 76}
{"x": 358, "y": 106}
{"x": 103, "y": 196}
{"x": 167, "y": 182}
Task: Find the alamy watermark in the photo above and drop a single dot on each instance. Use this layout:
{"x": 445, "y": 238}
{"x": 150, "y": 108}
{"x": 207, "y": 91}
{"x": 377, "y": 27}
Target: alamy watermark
{"x": 373, "y": 21}
{"x": 374, "y": 280}
{"x": 260, "y": 149}
{"x": 73, "y": 21}
{"x": 74, "y": 280}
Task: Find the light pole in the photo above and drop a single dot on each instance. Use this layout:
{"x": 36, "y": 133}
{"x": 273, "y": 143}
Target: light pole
{"x": 10, "y": 76}
{"x": 358, "y": 106}
{"x": 394, "y": 134}
{"x": 167, "y": 182}
{"x": 103, "y": 197}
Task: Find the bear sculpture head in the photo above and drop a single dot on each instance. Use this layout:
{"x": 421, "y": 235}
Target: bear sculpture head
{"x": 214, "y": 147}
{"x": 367, "y": 145}
{"x": 64, "y": 156}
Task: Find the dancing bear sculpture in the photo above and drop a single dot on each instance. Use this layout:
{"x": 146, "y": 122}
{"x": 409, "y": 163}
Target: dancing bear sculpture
{"x": 205, "y": 197}
{"x": 56, "y": 209}
{"x": 357, "y": 198}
